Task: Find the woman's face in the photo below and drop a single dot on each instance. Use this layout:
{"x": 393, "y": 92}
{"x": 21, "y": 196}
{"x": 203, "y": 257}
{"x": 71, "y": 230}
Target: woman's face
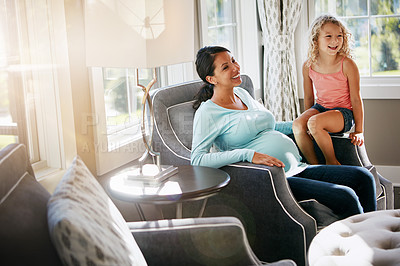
{"x": 226, "y": 72}
{"x": 330, "y": 39}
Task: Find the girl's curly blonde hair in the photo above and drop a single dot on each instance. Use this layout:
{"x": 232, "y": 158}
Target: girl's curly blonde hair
{"x": 315, "y": 29}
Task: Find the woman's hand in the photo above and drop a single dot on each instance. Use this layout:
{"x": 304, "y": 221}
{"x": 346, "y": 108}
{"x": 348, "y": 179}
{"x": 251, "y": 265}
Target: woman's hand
{"x": 357, "y": 138}
{"x": 261, "y": 158}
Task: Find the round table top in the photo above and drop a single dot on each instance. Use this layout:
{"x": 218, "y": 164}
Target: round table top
{"x": 190, "y": 183}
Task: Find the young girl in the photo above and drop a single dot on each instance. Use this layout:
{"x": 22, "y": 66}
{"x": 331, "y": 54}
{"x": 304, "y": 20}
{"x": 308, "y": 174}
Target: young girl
{"x": 334, "y": 76}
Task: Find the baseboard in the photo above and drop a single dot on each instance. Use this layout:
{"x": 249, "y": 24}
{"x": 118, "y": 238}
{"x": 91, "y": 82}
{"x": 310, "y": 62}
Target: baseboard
{"x": 390, "y": 172}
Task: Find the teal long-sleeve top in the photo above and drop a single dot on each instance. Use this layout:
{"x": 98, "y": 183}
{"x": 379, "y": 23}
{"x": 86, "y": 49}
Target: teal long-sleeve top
{"x": 237, "y": 134}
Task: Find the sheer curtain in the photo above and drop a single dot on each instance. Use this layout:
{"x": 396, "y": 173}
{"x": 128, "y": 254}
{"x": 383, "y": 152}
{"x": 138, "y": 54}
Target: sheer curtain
{"x": 278, "y": 19}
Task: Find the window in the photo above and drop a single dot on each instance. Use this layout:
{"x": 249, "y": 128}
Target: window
{"x": 375, "y": 26}
{"x": 234, "y": 25}
{"x": 20, "y": 75}
{"x": 117, "y": 97}
{"x": 13, "y": 116}
{"x": 33, "y": 78}
{"x": 219, "y": 23}
{"x": 123, "y": 104}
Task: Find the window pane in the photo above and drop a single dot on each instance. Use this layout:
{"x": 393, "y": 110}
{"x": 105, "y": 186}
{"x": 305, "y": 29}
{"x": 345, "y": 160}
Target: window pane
{"x": 7, "y": 139}
{"x": 7, "y": 124}
{"x": 211, "y": 13}
{"x": 342, "y": 8}
{"x": 225, "y": 11}
{"x": 224, "y": 36}
{"x": 324, "y": 6}
{"x": 352, "y": 8}
{"x": 8, "y": 116}
{"x": 219, "y": 12}
{"x": 122, "y": 98}
{"x": 385, "y": 44}
{"x": 359, "y": 30}
{"x": 385, "y": 7}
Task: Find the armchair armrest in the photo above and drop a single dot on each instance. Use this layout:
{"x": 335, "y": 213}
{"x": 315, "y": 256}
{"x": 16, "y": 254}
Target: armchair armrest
{"x": 205, "y": 241}
{"x": 349, "y": 154}
{"x": 268, "y": 211}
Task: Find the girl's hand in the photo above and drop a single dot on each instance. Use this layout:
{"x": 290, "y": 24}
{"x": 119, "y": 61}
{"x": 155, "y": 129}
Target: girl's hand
{"x": 357, "y": 138}
{"x": 261, "y": 158}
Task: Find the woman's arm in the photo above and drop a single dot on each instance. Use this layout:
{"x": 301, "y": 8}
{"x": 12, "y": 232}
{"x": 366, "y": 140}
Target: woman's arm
{"x": 353, "y": 76}
{"x": 284, "y": 127}
{"x": 205, "y": 131}
{"x": 308, "y": 89}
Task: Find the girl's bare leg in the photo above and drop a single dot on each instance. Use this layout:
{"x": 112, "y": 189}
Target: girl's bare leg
{"x": 303, "y": 139}
{"x": 319, "y": 126}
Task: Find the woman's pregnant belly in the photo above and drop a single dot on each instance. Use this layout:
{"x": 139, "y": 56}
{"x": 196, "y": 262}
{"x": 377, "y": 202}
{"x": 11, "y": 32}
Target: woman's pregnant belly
{"x": 280, "y": 146}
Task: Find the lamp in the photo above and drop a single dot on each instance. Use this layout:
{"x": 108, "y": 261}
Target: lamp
{"x": 140, "y": 34}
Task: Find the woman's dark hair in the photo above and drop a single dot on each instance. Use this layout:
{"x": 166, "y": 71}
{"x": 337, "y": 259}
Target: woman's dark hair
{"x": 205, "y": 67}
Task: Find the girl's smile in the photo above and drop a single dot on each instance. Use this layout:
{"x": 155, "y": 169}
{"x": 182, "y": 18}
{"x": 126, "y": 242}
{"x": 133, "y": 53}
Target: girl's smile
{"x": 330, "y": 39}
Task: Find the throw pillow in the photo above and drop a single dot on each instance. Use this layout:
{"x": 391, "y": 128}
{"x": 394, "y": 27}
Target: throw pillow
{"x": 85, "y": 225}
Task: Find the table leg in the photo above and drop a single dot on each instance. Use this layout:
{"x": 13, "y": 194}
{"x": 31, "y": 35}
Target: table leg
{"x": 179, "y": 210}
{"x": 203, "y": 207}
{"x": 159, "y": 208}
{"x": 140, "y": 211}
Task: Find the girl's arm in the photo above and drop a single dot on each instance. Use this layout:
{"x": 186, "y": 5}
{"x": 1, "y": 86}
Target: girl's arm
{"x": 350, "y": 69}
{"x": 205, "y": 131}
{"x": 308, "y": 89}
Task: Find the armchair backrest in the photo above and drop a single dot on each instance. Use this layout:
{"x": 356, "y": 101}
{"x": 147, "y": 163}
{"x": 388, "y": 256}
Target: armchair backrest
{"x": 173, "y": 119}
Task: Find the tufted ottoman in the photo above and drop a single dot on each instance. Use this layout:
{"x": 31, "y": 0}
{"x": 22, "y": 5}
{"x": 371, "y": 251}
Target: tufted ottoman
{"x": 365, "y": 239}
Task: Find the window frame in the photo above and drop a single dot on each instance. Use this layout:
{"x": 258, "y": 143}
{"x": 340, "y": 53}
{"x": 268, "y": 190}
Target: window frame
{"x": 372, "y": 87}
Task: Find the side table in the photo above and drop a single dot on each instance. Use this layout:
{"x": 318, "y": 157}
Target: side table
{"x": 190, "y": 183}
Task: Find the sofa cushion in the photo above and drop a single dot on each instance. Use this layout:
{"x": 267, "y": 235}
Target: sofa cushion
{"x": 85, "y": 225}
{"x": 24, "y": 233}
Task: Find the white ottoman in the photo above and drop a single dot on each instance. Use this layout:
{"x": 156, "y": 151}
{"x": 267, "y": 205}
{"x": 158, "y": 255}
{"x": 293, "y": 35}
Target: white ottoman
{"x": 365, "y": 239}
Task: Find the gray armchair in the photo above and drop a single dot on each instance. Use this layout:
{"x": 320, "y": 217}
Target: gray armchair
{"x": 277, "y": 226}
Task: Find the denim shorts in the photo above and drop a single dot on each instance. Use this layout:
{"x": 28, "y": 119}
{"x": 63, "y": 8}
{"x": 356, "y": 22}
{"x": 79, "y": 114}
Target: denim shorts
{"x": 347, "y": 115}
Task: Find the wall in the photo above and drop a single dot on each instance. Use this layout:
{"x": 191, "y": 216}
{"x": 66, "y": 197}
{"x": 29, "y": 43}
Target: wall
{"x": 80, "y": 82}
{"x": 382, "y": 127}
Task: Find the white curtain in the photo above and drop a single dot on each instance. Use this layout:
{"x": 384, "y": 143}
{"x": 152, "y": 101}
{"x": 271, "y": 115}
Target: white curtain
{"x": 278, "y": 20}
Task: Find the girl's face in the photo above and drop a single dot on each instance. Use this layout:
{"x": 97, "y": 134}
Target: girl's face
{"x": 330, "y": 39}
{"x": 227, "y": 71}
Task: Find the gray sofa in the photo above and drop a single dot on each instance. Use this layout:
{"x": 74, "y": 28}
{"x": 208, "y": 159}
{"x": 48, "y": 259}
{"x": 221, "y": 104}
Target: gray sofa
{"x": 25, "y": 237}
{"x": 276, "y": 225}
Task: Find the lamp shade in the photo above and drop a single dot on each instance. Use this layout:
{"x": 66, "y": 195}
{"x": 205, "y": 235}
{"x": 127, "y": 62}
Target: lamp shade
{"x": 139, "y": 33}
